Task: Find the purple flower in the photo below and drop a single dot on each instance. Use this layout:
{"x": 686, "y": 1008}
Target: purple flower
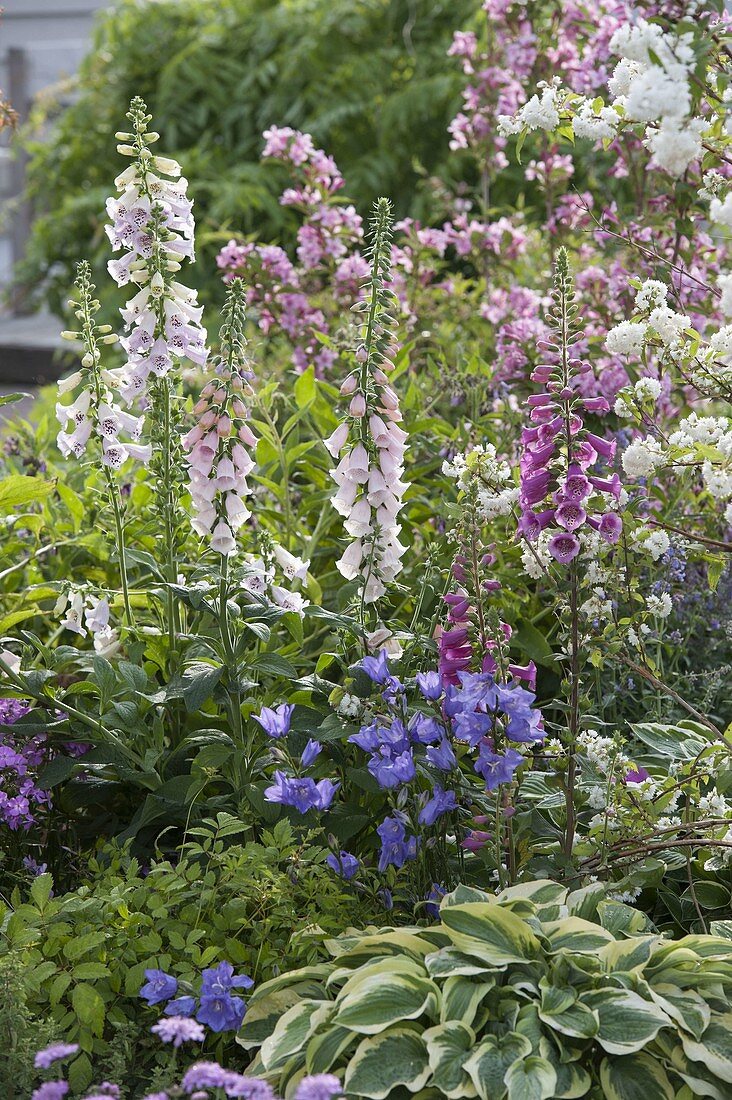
{"x": 54, "y": 1053}
{"x": 344, "y": 864}
{"x": 275, "y": 722}
{"x": 497, "y": 768}
{"x": 51, "y": 1090}
{"x": 181, "y": 1006}
{"x": 205, "y": 1075}
{"x": 390, "y": 769}
{"x": 321, "y": 1086}
{"x": 396, "y": 846}
{"x": 434, "y": 898}
{"x": 441, "y": 756}
{"x": 425, "y": 729}
{"x": 158, "y": 987}
{"x": 221, "y": 978}
{"x": 221, "y": 1011}
{"x": 563, "y": 547}
{"x": 178, "y": 1030}
{"x": 376, "y": 668}
{"x": 441, "y": 803}
{"x": 310, "y": 752}
{"x": 303, "y": 793}
{"x": 430, "y": 684}
{"x": 638, "y": 776}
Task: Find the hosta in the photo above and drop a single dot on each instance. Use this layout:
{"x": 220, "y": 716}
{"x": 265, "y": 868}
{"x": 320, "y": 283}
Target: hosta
{"x": 534, "y": 994}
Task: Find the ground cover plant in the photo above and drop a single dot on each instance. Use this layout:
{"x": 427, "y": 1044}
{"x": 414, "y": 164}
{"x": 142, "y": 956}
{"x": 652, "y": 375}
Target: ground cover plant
{"x": 373, "y": 606}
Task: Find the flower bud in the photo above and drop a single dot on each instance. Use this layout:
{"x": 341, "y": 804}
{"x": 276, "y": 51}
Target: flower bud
{"x": 349, "y": 385}
{"x": 67, "y": 335}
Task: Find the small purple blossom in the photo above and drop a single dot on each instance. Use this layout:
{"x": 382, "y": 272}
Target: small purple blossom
{"x": 178, "y": 1030}
{"x": 302, "y": 793}
{"x": 637, "y": 776}
{"x": 441, "y": 802}
{"x": 158, "y": 987}
{"x": 344, "y": 864}
{"x": 54, "y": 1053}
{"x": 320, "y": 1086}
{"x": 275, "y": 722}
{"x": 430, "y": 684}
{"x": 51, "y": 1090}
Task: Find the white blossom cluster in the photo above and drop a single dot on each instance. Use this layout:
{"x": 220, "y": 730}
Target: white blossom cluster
{"x": 482, "y": 465}
{"x": 651, "y": 85}
{"x": 82, "y": 613}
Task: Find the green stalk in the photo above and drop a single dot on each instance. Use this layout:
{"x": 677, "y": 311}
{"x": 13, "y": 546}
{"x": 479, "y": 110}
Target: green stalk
{"x": 231, "y": 662}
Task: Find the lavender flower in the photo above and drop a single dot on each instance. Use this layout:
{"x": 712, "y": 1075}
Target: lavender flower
{"x": 54, "y": 1053}
{"x": 303, "y": 793}
{"x": 178, "y": 1030}
{"x": 50, "y": 1090}
{"x": 320, "y": 1086}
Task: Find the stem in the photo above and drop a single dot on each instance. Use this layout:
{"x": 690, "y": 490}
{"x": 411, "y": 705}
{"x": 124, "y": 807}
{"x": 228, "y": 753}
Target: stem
{"x": 168, "y": 509}
{"x": 574, "y": 715}
{"x": 231, "y": 663}
{"x": 120, "y": 529}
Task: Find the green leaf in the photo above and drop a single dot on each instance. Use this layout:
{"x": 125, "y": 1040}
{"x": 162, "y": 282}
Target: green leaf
{"x": 383, "y": 1062}
{"x": 383, "y": 999}
{"x": 89, "y": 1007}
{"x": 305, "y": 388}
{"x": 490, "y": 1061}
{"x": 292, "y": 1032}
{"x": 531, "y": 1078}
{"x": 20, "y": 489}
{"x": 81, "y": 945}
{"x": 448, "y": 1047}
{"x": 104, "y": 676}
{"x": 490, "y": 932}
{"x": 627, "y": 1021}
{"x": 576, "y": 935}
{"x": 461, "y": 997}
{"x": 561, "y": 1011}
{"x": 635, "y": 1077}
{"x": 40, "y": 890}
{"x": 714, "y": 1048}
{"x": 274, "y": 665}
{"x": 199, "y": 681}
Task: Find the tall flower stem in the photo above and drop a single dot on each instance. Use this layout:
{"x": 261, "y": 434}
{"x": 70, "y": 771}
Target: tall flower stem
{"x": 168, "y": 514}
{"x": 86, "y": 290}
{"x": 229, "y": 652}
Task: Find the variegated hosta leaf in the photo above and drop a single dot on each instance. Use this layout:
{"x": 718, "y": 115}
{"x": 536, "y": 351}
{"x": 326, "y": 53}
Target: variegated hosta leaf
{"x": 572, "y": 1080}
{"x": 292, "y": 1032}
{"x": 635, "y": 1077}
{"x": 394, "y": 964}
{"x": 627, "y": 1021}
{"x": 627, "y": 955}
{"x": 448, "y": 1047}
{"x": 491, "y": 1060}
{"x": 383, "y": 1062}
{"x": 326, "y": 1046}
{"x": 263, "y": 1016}
{"x": 531, "y": 1078}
{"x": 461, "y": 997}
{"x": 380, "y": 1000}
{"x": 690, "y": 1011}
{"x": 403, "y": 941}
{"x": 577, "y": 935}
{"x": 490, "y": 932}
{"x": 541, "y": 892}
{"x": 561, "y": 1011}
{"x": 714, "y": 1048}
{"x": 448, "y": 960}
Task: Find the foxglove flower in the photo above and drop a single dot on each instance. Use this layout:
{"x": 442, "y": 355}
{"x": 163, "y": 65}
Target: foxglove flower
{"x": 93, "y": 413}
{"x": 151, "y": 221}
{"x": 559, "y": 497}
{"x": 370, "y": 444}
{"x": 218, "y": 447}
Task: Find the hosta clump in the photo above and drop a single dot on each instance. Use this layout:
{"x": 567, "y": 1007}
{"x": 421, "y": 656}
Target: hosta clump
{"x": 532, "y": 994}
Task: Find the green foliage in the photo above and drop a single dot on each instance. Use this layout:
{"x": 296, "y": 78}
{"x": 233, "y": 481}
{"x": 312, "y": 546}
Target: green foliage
{"x": 368, "y": 78}
{"x": 535, "y": 994}
{"x": 21, "y": 1032}
{"x": 82, "y": 955}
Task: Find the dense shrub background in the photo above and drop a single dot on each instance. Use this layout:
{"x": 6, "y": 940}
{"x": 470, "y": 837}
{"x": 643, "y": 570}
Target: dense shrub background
{"x": 367, "y": 78}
